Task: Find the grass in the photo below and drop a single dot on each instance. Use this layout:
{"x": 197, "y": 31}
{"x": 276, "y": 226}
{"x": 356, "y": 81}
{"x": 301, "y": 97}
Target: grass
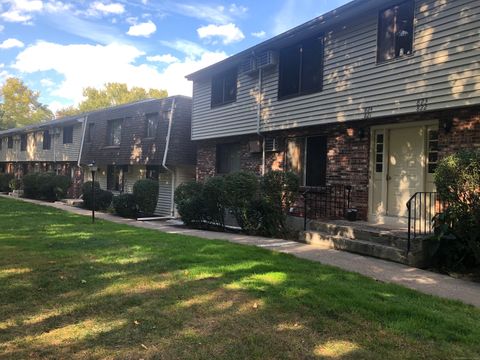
{"x": 70, "y": 289}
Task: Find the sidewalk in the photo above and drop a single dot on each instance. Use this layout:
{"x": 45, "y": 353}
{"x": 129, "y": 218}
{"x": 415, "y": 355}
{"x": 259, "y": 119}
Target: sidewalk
{"x": 381, "y": 270}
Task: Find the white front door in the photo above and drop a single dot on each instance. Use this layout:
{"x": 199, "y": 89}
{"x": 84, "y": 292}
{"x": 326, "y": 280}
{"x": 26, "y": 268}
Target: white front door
{"x": 405, "y": 167}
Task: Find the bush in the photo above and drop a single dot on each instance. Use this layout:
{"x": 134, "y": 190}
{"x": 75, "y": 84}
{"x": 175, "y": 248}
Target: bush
{"x": 5, "y": 182}
{"x": 145, "y": 192}
{"x": 15, "y": 184}
{"x": 45, "y": 186}
{"x": 214, "y": 201}
{"x": 190, "y": 204}
{"x": 125, "y": 205}
{"x": 103, "y": 198}
{"x": 457, "y": 179}
{"x": 241, "y": 190}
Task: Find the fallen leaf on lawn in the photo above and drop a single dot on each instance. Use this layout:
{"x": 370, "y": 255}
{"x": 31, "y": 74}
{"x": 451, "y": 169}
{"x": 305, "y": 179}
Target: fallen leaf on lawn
{"x": 136, "y": 322}
{"x": 143, "y": 346}
{"x": 255, "y": 306}
{"x": 84, "y": 281}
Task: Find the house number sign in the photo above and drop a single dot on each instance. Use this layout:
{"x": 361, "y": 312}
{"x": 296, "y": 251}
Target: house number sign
{"x": 367, "y": 113}
{"x": 422, "y": 104}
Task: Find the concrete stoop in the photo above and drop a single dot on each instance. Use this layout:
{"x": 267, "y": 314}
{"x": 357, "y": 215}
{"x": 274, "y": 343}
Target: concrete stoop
{"x": 368, "y": 240}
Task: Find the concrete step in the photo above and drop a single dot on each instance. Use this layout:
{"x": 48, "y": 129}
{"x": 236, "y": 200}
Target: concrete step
{"x": 361, "y": 232}
{"x": 364, "y": 247}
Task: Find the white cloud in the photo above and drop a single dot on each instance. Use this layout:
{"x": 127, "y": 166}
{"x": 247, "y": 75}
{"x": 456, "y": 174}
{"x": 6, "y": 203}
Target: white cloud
{"x": 229, "y": 33}
{"x": 83, "y": 65}
{"x": 2, "y": 28}
{"x": 189, "y": 48}
{"x": 237, "y": 10}
{"x": 143, "y": 29}
{"x": 21, "y": 10}
{"x": 166, "y": 58}
{"x": 259, "y": 34}
{"x": 47, "y": 83}
{"x": 107, "y": 9}
{"x": 11, "y": 43}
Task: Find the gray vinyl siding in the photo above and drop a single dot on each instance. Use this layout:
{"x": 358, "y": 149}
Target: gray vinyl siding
{"x": 58, "y": 151}
{"x": 445, "y": 69}
{"x": 164, "y": 204}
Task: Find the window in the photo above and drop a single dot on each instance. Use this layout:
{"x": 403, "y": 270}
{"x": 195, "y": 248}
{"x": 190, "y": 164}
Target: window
{"x": 316, "y": 161}
{"x": 224, "y": 88}
{"x": 10, "y": 142}
{"x": 47, "y": 140}
{"x": 114, "y": 132}
{"x": 68, "y": 134}
{"x": 116, "y": 177}
{"x": 151, "y": 125}
{"x": 301, "y": 68}
{"x": 23, "y": 142}
{"x": 432, "y": 151}
{"x": 228, "y": 158}
{"x": 90, "y": 130}
{"x": 395, "y": 32}
{"x": 307, "y": 157}
{"x": 379, "y": 141}
{"x": 153, "y": 172}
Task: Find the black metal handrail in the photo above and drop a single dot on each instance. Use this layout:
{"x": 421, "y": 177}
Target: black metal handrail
{"x": 326, "y": 202}
{"x": 422, "y": 208}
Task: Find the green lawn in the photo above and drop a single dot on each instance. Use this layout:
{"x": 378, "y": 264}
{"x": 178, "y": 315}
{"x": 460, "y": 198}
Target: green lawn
{"x": 73, "y": 290}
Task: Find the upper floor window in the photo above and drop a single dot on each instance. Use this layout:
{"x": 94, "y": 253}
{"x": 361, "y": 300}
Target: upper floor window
{"x": 151, "y": 125}
{"x": 301, "y": 68}
{"x": 224, "y": 88}
{"x": 10, "y": 142}
{"x": 47, "y": 140}
{"x": 23, "y": 142}
{"x": 395, "y": 31}
{"x": 90, "y": 130}
{"x": 68, "y": 134}
{"x": 114, "y": 132}
{"x": 228, "y": 158}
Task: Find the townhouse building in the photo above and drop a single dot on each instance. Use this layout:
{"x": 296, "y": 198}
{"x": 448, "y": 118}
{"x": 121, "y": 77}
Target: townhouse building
{"x": 369, "y": 97}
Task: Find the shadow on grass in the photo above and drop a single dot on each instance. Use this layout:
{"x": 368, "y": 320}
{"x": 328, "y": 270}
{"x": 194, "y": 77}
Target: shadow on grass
{"x": 70, "y": 289}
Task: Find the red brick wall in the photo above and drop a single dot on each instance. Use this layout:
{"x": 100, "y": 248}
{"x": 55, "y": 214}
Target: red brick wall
{"x": 349, "y": 149}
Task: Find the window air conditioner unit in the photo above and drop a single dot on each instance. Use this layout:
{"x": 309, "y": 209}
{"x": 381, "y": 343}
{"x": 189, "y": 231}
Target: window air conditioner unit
{"x": 247, "y": 66}
{"x": 266, "y": 59}
{"x": 272, "y": 144}
{"x": 254, "y": 146}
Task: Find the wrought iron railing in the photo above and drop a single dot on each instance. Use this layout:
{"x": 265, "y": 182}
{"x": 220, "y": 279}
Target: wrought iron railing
{"x": 422, "y": 208}
{"x": 325, "y": 202}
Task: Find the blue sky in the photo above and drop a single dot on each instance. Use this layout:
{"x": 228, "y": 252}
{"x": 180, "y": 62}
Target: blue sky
{"x": 58, "y": 48}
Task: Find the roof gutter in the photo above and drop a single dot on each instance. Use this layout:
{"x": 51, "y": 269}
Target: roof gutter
{"x": 84, "y": 130}
{"x": 165, "y": 154}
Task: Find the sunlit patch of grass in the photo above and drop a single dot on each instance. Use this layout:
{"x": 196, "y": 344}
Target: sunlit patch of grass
{"x": 14, "y": 271}
{"x": 336, "y": 349}
{"x": 75, "y": 290}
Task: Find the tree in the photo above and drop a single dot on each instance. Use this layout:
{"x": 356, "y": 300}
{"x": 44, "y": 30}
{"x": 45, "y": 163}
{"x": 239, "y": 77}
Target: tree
{"x": 19, "y": 105}
{"x": 111, "y": 95}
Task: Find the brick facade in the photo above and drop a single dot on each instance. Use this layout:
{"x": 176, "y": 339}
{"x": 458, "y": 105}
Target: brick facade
{"x": 348, "y": 149}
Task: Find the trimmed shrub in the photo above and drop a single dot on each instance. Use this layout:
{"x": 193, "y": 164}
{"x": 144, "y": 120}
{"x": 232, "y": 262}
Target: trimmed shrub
{"x": 125, "y": 205}
{"x": 241, "y": 190}
{"x": 45, "y": 186}
{"x": 145, "y": 192}
{"x": 15, "y": 184}
{"x": 190, "y": 204}
{"x": 5, "y": 182}
{"x": 103, "y": 198}
{"x": 214, "y": 199}
{"x": 457, "y": 179}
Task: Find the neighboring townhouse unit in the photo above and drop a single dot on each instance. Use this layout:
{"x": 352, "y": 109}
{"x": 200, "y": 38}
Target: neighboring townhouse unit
{"x": 145, "y": 139}
{"x": 370, "y": 95}
{"x": 47, "y": 146}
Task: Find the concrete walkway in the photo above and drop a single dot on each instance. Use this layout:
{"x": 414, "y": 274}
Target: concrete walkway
{"x": 385, "y": 271}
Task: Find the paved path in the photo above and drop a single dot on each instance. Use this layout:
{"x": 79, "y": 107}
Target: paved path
{"x": 390, "y": 272}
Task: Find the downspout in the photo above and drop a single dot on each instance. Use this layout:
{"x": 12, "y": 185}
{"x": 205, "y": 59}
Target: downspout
{"x": 259, "y": 116}
{"x": 165, "y": 154}
{"x": 55, "y": 149}
{"x": 85, "y": 120}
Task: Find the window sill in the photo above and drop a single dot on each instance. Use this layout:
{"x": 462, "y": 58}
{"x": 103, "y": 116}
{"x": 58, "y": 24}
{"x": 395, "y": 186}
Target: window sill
{"x": 288, "y": 97}
{"x": 390, "y": 61}
{"x": 111, "y": 147}
{"x": 222, "y": 104}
